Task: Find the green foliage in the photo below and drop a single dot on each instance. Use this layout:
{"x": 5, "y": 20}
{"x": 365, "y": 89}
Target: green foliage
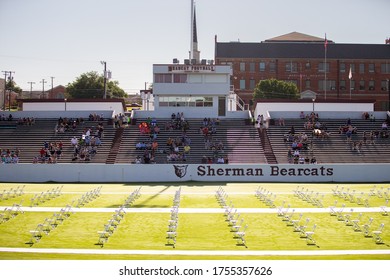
{"x": 91, "y": 85}
{"x": 11, "y": 85}
{"x": 275, "y": 89}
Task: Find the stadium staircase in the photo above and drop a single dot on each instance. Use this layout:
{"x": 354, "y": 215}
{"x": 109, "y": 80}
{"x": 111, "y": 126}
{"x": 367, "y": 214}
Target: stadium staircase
{"x": 267, "y": 147}
{"x": 115, "y": 146}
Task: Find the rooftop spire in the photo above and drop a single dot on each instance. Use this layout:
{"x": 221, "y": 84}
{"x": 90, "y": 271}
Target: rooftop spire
{"x": 194, "y": 52}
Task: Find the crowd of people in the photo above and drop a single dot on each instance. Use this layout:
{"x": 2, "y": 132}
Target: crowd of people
{"x": 49, "y": 152}
{"x": 9, "y": 156}
{"x": 85, "y": 147}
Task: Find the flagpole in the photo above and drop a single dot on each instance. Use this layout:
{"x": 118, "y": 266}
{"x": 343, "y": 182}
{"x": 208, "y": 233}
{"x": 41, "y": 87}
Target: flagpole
{"x": 350, "y": 83}
{"x": 326, "y": 43}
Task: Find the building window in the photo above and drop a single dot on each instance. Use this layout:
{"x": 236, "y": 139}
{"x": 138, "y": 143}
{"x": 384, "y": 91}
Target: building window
{"x": 343, "y": 85}
{"x": 384, "y": 85}
{"x": 308, "y": 65}
{"x": 242, "y": 66}
{"x": 322, "y": 67}
{"x": 252, "y": 84}
{"x": 385, "y": 68}
{"x": 352, "y": 84}
{"x": 272, "y": 66}
{"x": 307, "y": 84}
{"x": 361, "y": 68}
{"x": 371, "y": 68}
{"x": 163, "y": 78}
{"x": 330, "y": 85}
{"x": 342, "y": 67}
{"x": 180, "y": 78}
{"x": 371, "y": 85}
{"x": 291, "y": 67}
{"x": 185, "y": 101}
{"x": 242, "y": 84}
{"x": 252, "y": 67}
{"x": 262, "y": 66}
{"x": 362, "y": 85}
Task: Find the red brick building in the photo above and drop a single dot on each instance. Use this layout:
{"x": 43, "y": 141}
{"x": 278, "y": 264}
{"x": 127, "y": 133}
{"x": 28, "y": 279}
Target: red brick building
{"x": 351, "y": 71}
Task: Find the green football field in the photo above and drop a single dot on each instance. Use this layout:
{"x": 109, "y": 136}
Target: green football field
{"x": 278, "y": 221}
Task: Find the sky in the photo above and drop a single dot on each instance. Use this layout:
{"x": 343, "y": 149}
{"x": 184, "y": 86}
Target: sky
{"x": 41, "y": 39}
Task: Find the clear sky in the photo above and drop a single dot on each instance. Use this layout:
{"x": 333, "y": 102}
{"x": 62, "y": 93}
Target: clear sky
{"x": 65, "y": 38}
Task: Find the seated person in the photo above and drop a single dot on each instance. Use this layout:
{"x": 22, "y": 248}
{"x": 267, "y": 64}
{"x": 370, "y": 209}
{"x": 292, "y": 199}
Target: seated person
{"x": 302, "y": 115}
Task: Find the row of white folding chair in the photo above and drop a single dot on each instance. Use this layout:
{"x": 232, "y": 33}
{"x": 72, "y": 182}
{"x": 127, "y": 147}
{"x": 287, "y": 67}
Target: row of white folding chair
{"x": 9, "y": 213}
{"x": 132, "y": 197}
{"x": 173, "y": 221}
{"x": 111, "y": 226}
{"x": 380, "y": 192}
{"x": 49, "y": 224}
{"x": 88, "y": 197}
{"x": 267, "y": 197}
{"x": 12, "y": 193}
{"x": 302, "y": 228}
{"x": 45, "y": 196}
{"x": 309, "y": 196}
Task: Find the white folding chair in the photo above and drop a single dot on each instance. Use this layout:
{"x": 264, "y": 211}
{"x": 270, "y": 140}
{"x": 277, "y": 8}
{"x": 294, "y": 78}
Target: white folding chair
{"x": 295, "y": 223}
{"x": 36, "y": 234}
{"x": 355, "y": 223}
{"x": 383, "y": 208}
{"x": 366, "y": 228}
{"x": 339, "y": 213}
{"x": 103, "y": 237}
{"x": 309, "y": 236}
{"x": 377, "y": 234}
{"x": 240, "y": 234}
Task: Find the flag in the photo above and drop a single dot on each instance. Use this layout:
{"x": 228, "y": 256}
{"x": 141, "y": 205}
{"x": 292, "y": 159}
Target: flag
{"x": 325, "y": 42}
{"x": 350, "y": 73}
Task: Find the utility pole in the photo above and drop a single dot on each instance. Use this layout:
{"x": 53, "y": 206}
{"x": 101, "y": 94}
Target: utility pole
{"x": 43, "y": 82}
{"x": 6, "y": 73}
{"x": 51, "y": 92}
{"x": 31, "y": 83}
{"x": 5, "y": 88}
{"x": 105, "y": 78}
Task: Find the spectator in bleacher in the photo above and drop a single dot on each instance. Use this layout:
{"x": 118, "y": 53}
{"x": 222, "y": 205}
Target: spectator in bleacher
{"x": 366, "y": 116}
{"x": 74, "y": 141}
{"x": 372, "y": 117}
{"x": 313, "y": 160}
{"x": 302, "y": 115}
{"x": 384, "y": 125}
{"x": 138, "y": 160}
{"x": 292, "y": 130}
{"x": 281, "y": 122}
{"x": 204, "y": 159}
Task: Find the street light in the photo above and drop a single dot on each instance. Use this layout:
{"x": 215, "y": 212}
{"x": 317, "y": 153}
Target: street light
{"x": 65, "y": 103}
{"x": 313, "y": 99}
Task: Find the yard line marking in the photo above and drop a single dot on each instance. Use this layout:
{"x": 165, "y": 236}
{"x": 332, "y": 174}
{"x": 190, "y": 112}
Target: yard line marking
{"x": 197, "y": 252}
{"x": 192, "y": 210}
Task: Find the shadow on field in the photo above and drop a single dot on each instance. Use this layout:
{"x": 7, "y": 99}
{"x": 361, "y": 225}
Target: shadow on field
{"x": 145, "y": 202}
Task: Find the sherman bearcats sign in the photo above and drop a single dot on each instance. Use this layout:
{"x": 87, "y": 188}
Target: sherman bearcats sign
{"x": 313, "y": 170}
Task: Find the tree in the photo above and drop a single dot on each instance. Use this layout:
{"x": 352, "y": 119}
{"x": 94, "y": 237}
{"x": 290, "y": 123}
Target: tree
{"x": 11, "y": 85}
{"x": 272, "y": 88}
{"x": 91, "y": 85}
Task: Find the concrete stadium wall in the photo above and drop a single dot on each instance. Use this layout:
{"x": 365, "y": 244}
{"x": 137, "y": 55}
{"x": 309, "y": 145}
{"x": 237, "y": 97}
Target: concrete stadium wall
{"x": 122, "y": 173}
{"x": 307, "y": 107}
{"x": 57, "y": 114}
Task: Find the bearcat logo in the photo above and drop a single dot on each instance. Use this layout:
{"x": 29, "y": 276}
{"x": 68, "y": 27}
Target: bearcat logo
{"x": 180, "y": 170}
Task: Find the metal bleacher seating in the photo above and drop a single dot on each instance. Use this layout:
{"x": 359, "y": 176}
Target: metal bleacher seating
{"x": 335, "y": 149}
